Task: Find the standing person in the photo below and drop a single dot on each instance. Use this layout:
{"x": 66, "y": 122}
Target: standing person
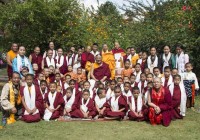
{"x": 36, "y": 59}
{"x": 9, "y": 58}
{"x": 95, "y": 49}
{"x": 119, "y": 55}
{"x": 153, "y": 60}
{"x": 143, "y": 61}
{"x": 133, "y": 57}
{"x": 51, "y": 47}
{"x": 160, "y": 104}
{"x": 77, "y": 60}
{"x": 191, "y": 84}
{"x": 61, "y": 62}
{"x": 167, "y": 58}
{"x": 49, "y": 60}
{"x": 181, "y": 59}
{"x": 108, "y": 58}
{"x": 21, "y": 61}
{"x": 11, "y": 99}
{"x": 87, "y": 58}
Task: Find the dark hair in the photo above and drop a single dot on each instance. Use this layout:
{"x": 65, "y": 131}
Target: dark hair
{"x": 113, "y": 81}
{"x": 137, "y": 64}
{"x": 69, "y": 88}
{"x": 179, "y": 46}
{"x": 188, "y": 63}
{"x": 135, "y": 88}
{"x": 68, "y": 75}
{"x": 176, "y": 76}
{"x": 95, "y": 44}
{"x": 43, "y": 81}
{"x": 72, "y": 80}
{"x": 86, "y": 90}
{"x": 53, "y": 83}
{"x": 15, "y": 72}
{"x": 119, "y": 78}
{"x": 142, "y": 74}
{"x": 167, "y": 68}
{"x": 132, "y": 75}
{"x": 117, "y": 87}
{"x": 29, "y": 75}
{"x": 57, "y": 74}
{"x": 127, "y": 60}
{"x": 153, "y": 47}
{"x": 127, "y": 83}
{"x": 167, "y": 46}
{"x": 174, "y": 69}
{"x": 100, "y": 91}
{"x": 150, "y": 74}
{"x": 156, "y": 68}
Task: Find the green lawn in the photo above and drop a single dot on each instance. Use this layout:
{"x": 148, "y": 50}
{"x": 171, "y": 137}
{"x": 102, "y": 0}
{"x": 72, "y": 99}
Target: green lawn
{"x": 188, "y": 128}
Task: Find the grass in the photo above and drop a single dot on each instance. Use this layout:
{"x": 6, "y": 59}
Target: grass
{"x": 188, "y": 128}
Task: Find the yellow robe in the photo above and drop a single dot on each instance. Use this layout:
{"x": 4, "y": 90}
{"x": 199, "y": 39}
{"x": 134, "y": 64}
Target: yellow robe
{"x": 134, "y": 59}
{"x": 109, "y": 59}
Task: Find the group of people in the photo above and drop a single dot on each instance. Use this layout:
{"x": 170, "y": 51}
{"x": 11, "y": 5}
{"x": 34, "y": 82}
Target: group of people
{"x": 92, "y": 84}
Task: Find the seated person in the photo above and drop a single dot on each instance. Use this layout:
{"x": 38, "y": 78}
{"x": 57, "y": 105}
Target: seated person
{"x": 136, "y": 106}
{"x": 32, "y": 101}
{"x": 80, "y": 75}
{"x": 71, "y": 73}
{"x": 54, "y": 103}
{"x": 85, "y": 107}
{"x": 116, "y": 107}
{"x": 127, "y": 71}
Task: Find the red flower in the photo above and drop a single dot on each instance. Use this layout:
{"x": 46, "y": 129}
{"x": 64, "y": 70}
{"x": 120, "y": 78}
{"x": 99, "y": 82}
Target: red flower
{"x": 184, "y": 8}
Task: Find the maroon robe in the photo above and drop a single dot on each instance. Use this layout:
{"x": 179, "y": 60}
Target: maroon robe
{"x": 120, "y": 50}
{"x": 58, "y": 101}
{"x": 51, "y": 78}
{"x": 101, "y": 71}
{"x": 39, "y": 105}
{"x": 176, "y": 100}
{"x": 162, "y": 99}
{"x": 45, "y": 62}
{"x": 37, "y": 59}
{"x": 132, "y": 115}
{"x": 166, "y": 83}
{"x": 63, "y": 68}
{"x": 78, "y": 114}
{"x": 85, "y": 56}
{"x": 122, "y": 102}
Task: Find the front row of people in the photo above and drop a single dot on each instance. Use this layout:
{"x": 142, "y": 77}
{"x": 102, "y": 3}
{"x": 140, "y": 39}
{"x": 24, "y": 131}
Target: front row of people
{"x": 157, "y": 105}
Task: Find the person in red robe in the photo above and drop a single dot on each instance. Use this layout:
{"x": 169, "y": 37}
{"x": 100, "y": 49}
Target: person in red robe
{"x": 100, "y": 70}
{"x": 39, "y": 78}
{"x": 167, "y": 78}
{"x": 49, "y": 60}
{"x": 116, "y": 107}
{"x": 85, "y": 107}
{"x": 54, "y": 103}
{"x": 136, "y": 112}
{"x": 178, "y": 98}
{"x": 86, "y": 57}
{"x": 61, "y": 62}
{"x": 160, "y": 104}
{"x": 117, "y": 49}
{"x": 143, "y": 64}
{"x": 33, "y": 107}
{"x": 71, "y": 102}
{"x": 51, "y": 74}
{"x": 36, "y": 60}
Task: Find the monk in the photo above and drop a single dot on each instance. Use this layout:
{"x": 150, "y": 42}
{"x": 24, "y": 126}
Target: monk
{"x": 87, "y": 58}
{"x": 80, "y": 75}
{"x": 167, "y": 79}
{"x": 33, "y": 107}
{"x": 100, "y": 100}
{"x": 108, "y": 58}
{"x": 9, "y": 58}
{"x": 179, "y": 98}
{"x": 95, "y": 49}
{"x": 133, "y": 57}
{"x": 36, "y": 59}
{"x": 100, "y": 70}
{"x": 11, "y": 100}
{"x": 70, "y": 102}
{"x": 54, "y": 103}
{"x": 160, "y": 104}
{"x": 85, "y": 107}
{"x": 51, "y": 47}
{"x": 49, "y": 60}
{"x": 61, "y": 62}
{"x": 119, "y": 55}
{"x": 116, "y": 107}
{"x": 136, "y": 106}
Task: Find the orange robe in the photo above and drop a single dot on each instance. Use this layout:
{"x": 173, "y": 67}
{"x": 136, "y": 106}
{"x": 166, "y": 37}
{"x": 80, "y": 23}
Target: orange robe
{"x": 81, "y": 77}
{"x": 127, "y": 72}
{"x": 12, "y": 55}
{"x": 72, "y": 74}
